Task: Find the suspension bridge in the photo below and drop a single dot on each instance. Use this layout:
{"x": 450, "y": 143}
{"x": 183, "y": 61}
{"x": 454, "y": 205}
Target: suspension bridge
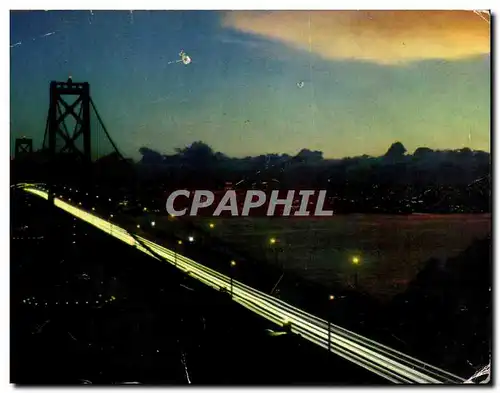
{"x": 70, "y": 159}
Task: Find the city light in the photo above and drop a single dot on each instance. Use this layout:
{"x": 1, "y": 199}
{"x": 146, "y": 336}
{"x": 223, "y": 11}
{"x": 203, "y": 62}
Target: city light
{"x": 153, "y": 223}
{"x": 211, "y": 225}
{"x": 272, "y": 240}
{"x": 233, "y": 263}
{"x": 355, "y": 260}
{"x": 331, "y": 297}
{"x": 191, "y": 239}
{"x": 179, "y": 242}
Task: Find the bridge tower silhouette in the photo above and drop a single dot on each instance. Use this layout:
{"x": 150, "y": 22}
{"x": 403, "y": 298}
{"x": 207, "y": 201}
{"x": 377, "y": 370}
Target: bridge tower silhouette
{"x": 24, "y": 147}
{"x": 68, "y": 134}
{"x": 58, "y": 111}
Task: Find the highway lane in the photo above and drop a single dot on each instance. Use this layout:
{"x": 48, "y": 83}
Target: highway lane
{"x": 379, "y": 359}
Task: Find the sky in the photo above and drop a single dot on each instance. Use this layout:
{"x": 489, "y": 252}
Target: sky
{"x": 346, "y": 83}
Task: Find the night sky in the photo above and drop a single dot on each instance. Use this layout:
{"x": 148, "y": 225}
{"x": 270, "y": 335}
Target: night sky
{"x": 346, "y": 83}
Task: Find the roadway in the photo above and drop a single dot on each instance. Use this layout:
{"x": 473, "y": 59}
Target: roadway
{"x": 388, "y": 363}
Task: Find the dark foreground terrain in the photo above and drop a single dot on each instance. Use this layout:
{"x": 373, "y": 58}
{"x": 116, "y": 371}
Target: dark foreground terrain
{"x": 86, "y": 308}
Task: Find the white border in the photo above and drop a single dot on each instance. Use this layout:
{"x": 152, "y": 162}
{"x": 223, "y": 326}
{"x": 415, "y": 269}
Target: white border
{"x": 148, "y": 4}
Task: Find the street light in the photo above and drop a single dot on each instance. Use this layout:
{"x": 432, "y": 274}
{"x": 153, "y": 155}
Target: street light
{"x": 272, "y": 242}
{"x": 233, "y": 264}
{"x": 110, "y": 226}
{"x": 191, "y": 239}
{"x": 356, "y": 261}
{"x": 179, "y": 243}
{"x": 211, "y": 225}
{"x": 331, "y": 298}
{"x": 153, "y": 223}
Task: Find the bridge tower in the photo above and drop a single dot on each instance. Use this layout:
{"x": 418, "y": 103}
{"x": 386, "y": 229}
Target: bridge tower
{"x": 24, "y": 147}
{"x": 76, "y": 145}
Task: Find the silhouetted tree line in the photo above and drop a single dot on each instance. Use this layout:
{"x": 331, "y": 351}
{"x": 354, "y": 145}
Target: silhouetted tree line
{"x": 395, "y": 166}
{"x": 441, "y": 179}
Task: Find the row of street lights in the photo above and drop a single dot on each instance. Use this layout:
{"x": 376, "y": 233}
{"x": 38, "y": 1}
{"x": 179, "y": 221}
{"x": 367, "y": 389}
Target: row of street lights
{"x": 355, "y": 260}
{"x": 211, "y": 225}
{"x": 232, "y": 264}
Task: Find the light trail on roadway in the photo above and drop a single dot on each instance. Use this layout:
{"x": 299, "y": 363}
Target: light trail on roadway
{"x": 386, "y": 362}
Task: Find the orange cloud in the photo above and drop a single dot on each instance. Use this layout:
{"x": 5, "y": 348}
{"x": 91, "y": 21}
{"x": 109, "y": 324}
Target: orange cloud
{"x": 385, "y": 37}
